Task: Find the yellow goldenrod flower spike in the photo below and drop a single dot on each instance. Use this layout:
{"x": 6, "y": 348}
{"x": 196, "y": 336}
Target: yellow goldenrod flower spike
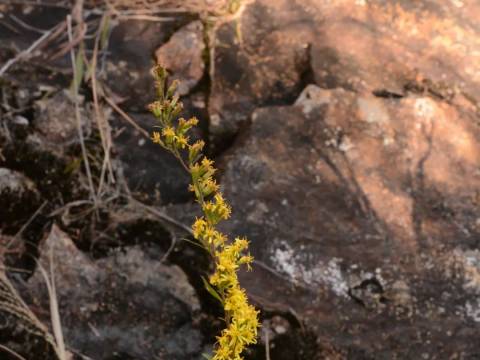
{"x": 216, "y": 210}
{"x": 156, "y": 137}
{"x": 241, "y": 318}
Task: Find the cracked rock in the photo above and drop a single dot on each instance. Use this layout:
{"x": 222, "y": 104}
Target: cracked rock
{"x": 127, "y": 303}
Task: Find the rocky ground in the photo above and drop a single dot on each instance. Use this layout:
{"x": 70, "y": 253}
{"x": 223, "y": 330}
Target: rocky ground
{"x": 347, "y": 135}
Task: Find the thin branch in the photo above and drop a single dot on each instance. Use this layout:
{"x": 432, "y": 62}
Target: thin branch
{"x": 24, "y": 54}
{"x": 267, "y": 344}
{"x": 162, "y": 216}
{"x": 27, "y": 26}
{"x": 170, "y": 248}
{"x": 146, "y": 18}
{"x": 29, "y": 221}
{"x": 70, "y": 205}
{"x": 36, "y": 3}
{"x": 278, "y": 274}
{"x": 54, "y": 312}
{"x": 126, "y": 117}
{"x": 11, "y": 352}
{"x": 22, "y": 309}
{"x": 179, "y": 157}
{"x": 72, "y": 42}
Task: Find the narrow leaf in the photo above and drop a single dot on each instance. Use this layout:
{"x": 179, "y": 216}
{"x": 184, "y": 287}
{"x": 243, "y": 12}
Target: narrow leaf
{"x": 211, "y": 290}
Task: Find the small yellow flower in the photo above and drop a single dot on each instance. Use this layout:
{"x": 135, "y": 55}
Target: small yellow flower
{"x": 199, "y": 228}
{"x": 247, "y": 260}
{"x": 194, "y": 150}
{"x": 156, "y": 138}
{"x": 216, "y": 210}
{"x": 209, "y": 186}
{"x": 207, "y": 163}
{"x": 156, "y": 108}
{"x": 181, "y": 141}
{"x": 169, "y": 134}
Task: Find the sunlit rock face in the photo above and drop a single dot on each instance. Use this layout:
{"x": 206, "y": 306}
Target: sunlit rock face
{"x": 361, "y": 198}
{"x": 266, "y": 53}
{"x": 368, "y": 207}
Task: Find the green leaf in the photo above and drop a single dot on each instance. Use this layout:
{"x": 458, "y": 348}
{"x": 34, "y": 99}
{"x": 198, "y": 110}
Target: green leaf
{"x": 196, "y": 243}
{"x": 105, "y": 32}
{"x": 72, "y": 166}
{"x": 211, "y": 290}
{"x": 79, "y": 71}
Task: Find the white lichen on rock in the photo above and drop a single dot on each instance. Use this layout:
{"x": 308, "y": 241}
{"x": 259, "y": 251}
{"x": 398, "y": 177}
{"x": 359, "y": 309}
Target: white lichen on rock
{"x": 294, "y": 264}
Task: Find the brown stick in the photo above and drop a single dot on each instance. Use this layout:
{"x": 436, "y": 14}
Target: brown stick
{"x": 26, "y": 53}
{"x": 126, "y": 117}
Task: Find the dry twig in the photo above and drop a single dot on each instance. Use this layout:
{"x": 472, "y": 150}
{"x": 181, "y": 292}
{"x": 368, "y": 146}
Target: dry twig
{"x": 54, "y": 309}
{"x": 26, "y": 26}
{"x": 23, "y": 55}
{"x": 11, "y": 352}
{"x": 267, "y": 344}
{"x": 73, "y": 41}
{"x": 161, "y": 215}
{"x": 125, "y": 116}
{"x": 24, "y": 226}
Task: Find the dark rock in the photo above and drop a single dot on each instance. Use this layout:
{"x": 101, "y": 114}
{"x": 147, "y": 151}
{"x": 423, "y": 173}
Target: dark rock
{"x": 56, "y": 123}
{"x": 183, "y": 56}
{"x": 42, "y": 140}
{"x": 49, "y": 167}
{"x": 364, "y": 213}
{"x": 260, "y": 58}
{"x": 19, "y": 198}
{"x": 132, "y": 47}
{"x": 128, "y": 303}
{"x": 15, "y": 35}
{"x": 152, "y": 174}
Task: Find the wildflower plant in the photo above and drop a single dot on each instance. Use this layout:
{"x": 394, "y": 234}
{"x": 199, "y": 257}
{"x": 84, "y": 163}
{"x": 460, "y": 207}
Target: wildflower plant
{"x": 241, "y": 318}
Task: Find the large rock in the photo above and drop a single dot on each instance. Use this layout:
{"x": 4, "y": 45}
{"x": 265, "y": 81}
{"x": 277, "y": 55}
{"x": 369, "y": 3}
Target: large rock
{"x": 152, "y": 173}
{"x": 56, "y": 122}
{"x": 128, "y": 304}
{"x": 260, "y": 57}
{"x": 363, "y": 212}
{"x": 132, "y": 47}
{"x": 19, "y": 198}
{"x": 389, "y": 46}
{"x": 271, "y": 49}
{"x": 183, "y": 56}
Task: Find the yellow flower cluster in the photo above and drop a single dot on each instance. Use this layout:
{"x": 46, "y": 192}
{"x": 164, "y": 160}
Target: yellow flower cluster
{"x": 243, "y": 325}
{"x": 216, "y": 210}
{"x": 241, "y": 318}
{"x": 208, "y": 236}
{"x": 203, "y": 183}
